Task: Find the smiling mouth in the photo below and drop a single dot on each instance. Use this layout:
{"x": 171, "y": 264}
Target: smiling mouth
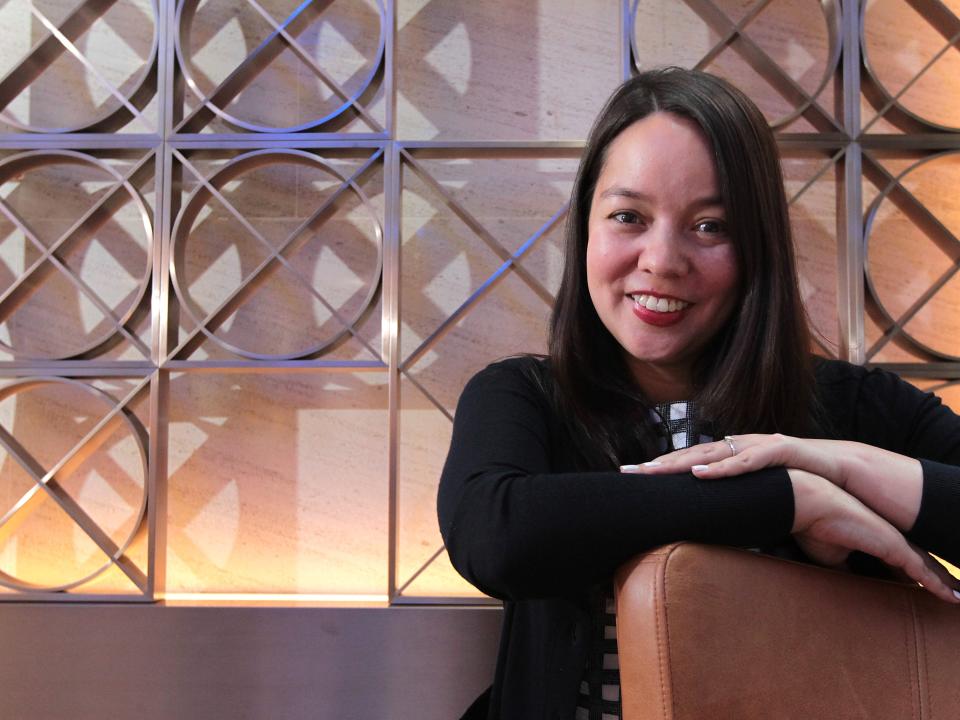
{"x": 659, "y": 304}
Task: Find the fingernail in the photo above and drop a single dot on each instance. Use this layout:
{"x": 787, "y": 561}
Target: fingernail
{"x": 699, "y": 468}
{"x": 653, "y": 463}
{"x": 629, "y": 468}
{"x": 956, "y": 594}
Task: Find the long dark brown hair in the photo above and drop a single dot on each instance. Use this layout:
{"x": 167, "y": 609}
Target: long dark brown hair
{"x": 756, "y": 374}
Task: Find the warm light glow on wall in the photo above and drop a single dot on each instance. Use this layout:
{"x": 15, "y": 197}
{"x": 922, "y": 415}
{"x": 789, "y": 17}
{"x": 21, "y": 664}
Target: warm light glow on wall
{"x": 260, "y": 599}
{"x": 259, "y": 251}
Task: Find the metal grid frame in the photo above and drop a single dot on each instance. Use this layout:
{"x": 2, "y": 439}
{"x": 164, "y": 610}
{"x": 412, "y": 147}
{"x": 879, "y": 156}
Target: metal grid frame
{"x": 844, "y": 142}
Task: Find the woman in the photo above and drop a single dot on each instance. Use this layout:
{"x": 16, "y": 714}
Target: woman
{"x": 678, "y": 323}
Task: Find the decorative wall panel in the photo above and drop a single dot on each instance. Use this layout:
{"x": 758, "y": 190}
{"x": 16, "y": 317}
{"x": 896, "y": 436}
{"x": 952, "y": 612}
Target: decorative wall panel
{"x": 784, "y": 54}
{"x": 504, "y": 70}
{"x": 79, "y": 67}
{"x": 271, "y": 479}
{"x": 481, "y": 256}
{"x": 914, "y": 221}
{"x": 279, "y": 66}
{"x": 73, "y": 485}
{"x": 277, "y": 253}
{"x": 253, "y": 249}
{"x": 77, "y": 249}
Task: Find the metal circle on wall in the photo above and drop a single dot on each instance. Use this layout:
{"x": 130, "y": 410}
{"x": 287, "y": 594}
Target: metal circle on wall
{"x": 196, "y": 207}
{"x": 920, "y": 280}
{"x": 33, "y": 79}
{"x": 929, "y": 109}
{"x": 261, "y": 57}
{"x": 725, "y": 29}
{"x": 43, "y": 334}
{"x": 93, "y": 404}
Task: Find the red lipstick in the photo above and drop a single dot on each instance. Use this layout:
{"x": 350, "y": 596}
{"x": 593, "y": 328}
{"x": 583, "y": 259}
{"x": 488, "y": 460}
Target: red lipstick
{"x": 660, "y": 319}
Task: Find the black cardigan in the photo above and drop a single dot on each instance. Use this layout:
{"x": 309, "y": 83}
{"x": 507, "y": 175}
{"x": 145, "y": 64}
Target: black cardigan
{"x": 522, "y": 525}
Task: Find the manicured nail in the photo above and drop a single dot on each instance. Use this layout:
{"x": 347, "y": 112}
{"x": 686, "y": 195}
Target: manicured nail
{"x": 629, "y": 468}
{"x": 699, "y": 468}
{"x": 653, "y": 463}
{"x": 956, "y": 594}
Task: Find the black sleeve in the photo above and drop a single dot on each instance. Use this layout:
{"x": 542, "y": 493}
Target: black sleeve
{"x": 516, "y": 528}
{"x": 894, "y": 414}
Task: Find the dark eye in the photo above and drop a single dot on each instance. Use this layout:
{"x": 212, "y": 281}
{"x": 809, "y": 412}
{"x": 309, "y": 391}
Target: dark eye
{"x": 711, "y": 227}
{"x": 625, "y": 217}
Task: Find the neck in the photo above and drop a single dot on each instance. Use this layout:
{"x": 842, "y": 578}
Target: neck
{"x": 660, "y": 383}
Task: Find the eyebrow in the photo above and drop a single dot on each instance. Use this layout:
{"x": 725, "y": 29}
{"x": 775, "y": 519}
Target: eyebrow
{"x": 624, "y": 192}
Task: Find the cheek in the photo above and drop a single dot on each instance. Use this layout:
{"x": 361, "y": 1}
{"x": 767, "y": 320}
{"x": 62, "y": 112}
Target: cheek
{"x": 604, "y": 261}
{"x": 596, "y": 262}
{"x": 723, "y": 277}
{"x": 599, "y": 278}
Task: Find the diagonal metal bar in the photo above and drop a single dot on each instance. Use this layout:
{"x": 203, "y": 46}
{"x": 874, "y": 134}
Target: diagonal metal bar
{"x": 915, "y": 211}
{"x": 829, "y": 163}
{"x": 938, "y": 15}
{"x": 46, "y": 51}
{"x": 477, "y": 227}
{"x": 445, "y": 326}
{"x": 98, "y": 434}
{"x": 304, "y": 56}
{"x": 86, "y": 225}
{"x": 727, "y": 37}
{"x": 248, "y": 285}
{"x": 60, "y": 265}
{"x": 420, "y": 570}
{"x": 764, "y": 65}
{"x": 891, "y": 332}
{"x": 405, "y": 367}
{"x": 951, "y": 41}
{"x": 298, "y": 275}
{"x": 484, "y": 289}
{"x": 91, "y": 68}
{"x": 255, "y": 63}
{"x": 427, "y": 394}
{"x": 79, "y": 453}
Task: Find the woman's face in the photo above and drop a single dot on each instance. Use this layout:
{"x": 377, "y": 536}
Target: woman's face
{"x": 661, "y": 268}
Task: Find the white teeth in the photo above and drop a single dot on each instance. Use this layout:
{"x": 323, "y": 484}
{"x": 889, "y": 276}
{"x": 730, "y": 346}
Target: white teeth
{"x": 659, "y": 304}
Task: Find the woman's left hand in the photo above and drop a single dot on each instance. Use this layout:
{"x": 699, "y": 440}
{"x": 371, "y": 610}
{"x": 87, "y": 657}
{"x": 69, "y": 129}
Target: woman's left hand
{"x": 889, "y": 484}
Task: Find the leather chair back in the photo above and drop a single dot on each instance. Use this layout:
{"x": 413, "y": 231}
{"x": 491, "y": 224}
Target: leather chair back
{"x": 707, "y": 632}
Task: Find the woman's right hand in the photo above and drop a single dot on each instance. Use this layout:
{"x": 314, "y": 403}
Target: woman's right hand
{"x": 829, "y": 524}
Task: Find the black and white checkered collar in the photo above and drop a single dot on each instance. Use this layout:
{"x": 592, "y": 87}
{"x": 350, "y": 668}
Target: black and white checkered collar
{"x": 678, "y": 425}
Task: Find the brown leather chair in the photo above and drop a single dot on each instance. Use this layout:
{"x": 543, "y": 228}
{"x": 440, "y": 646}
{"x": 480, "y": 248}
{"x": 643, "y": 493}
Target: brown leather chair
{"x": 708, "y": 632}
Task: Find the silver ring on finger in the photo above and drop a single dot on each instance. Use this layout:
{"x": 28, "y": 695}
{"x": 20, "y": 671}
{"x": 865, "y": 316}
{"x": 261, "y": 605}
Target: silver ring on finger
{"x": 729, "y": 441}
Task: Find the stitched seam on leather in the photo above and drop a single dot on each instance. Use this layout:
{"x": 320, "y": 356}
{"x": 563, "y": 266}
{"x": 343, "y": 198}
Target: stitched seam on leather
{"x": 914, "y": 668}
{"x": 664, "y": 657}
{"x": 923, "y": 686}
{"x": 907, "y": 627}
{"x": 666, "y": 623}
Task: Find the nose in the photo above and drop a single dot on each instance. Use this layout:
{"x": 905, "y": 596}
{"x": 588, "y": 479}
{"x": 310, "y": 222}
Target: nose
{"x": 662, "y": 253}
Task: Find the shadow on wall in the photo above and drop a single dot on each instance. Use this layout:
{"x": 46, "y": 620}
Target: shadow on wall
{"x": 504, "y": 70}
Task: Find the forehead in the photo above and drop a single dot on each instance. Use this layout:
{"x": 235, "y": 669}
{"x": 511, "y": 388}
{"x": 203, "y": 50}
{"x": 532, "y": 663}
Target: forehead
{"x": 662, "y": 153}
